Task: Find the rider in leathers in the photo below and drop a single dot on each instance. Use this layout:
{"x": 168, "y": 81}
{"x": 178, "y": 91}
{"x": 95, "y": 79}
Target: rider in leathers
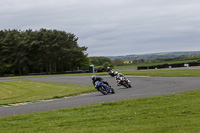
{"x": 96, "y": 78}
{"x": 118, "y": 75}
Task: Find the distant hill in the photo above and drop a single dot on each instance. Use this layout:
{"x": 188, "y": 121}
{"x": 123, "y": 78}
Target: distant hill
{"x": 161, "y": 55}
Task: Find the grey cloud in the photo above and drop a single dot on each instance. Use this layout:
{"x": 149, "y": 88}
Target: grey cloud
{"x": 114, "y": 27}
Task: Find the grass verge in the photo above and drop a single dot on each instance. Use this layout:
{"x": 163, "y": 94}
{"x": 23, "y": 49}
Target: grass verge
{"x": 12, "y": 92}
{"x": 176, "y": 113}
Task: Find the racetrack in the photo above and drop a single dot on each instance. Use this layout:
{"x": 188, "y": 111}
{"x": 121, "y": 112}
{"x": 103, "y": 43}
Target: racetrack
{"x": 141, "y": 87}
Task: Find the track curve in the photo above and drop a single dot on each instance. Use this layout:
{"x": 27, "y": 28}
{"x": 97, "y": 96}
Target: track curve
{"x": 141, "y": 87}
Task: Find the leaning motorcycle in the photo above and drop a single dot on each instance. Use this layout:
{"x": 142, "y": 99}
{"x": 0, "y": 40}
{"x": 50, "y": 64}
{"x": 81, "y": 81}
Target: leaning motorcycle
{"x": 124, "y": 81}
{"x": 104, "y": 89}
{"x": 112, "y": 73}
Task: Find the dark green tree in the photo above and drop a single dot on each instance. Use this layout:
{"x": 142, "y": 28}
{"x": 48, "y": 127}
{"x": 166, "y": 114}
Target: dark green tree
{"x": 48, "y": 51}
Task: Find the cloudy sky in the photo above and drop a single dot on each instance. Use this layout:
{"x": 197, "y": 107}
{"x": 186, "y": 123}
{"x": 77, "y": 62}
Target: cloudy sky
{"x": 112, "y": 27}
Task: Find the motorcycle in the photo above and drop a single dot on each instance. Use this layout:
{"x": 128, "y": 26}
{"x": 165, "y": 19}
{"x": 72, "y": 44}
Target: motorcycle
{"x": 104, "y": 89}
{"x": 112, "y": 73}
{"x": 124, "y": 81}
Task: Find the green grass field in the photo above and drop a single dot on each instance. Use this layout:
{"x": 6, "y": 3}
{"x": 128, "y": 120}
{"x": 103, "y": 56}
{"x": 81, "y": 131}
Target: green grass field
{"x": 12, "y": 92}
{"x": 176, "y": 113}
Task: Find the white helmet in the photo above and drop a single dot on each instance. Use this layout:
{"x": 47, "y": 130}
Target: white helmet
{"x": 93, "y": 77}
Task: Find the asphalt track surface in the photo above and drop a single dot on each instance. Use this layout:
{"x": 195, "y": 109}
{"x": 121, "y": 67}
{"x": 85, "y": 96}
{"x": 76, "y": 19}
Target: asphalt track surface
{"x": 141, "y": 87}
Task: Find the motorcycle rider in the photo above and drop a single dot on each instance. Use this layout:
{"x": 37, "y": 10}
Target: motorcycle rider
{"x": 118, "y": 76}
{"x": 97, "y": 78}
{"x": 112, "y": 73}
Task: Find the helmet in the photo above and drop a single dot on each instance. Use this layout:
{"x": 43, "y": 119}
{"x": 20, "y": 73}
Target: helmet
{"x": 93, "y": 77}
{"x": 116, "y": 73}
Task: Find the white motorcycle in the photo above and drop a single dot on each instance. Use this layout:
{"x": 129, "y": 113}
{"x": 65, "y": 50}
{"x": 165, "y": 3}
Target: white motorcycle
{"x": 124, "y": 81}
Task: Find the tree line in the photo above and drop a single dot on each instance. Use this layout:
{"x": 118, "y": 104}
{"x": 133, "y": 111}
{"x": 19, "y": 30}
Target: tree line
{"x": 40, "y": 51}
{"x": 105, "y": 62}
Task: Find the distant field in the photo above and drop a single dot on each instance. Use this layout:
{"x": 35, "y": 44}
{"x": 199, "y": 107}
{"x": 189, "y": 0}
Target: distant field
{"x": 134, "y": 66}
{"x": 165, "y": 73}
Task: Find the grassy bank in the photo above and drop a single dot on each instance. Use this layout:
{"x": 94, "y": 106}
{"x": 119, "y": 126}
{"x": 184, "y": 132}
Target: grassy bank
{"x": 177, "y": 113}
{"x": 28, "y": 91}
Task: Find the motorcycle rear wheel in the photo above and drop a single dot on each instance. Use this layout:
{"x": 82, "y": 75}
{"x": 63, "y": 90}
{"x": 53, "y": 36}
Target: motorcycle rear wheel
{"x": 112, "y": 90}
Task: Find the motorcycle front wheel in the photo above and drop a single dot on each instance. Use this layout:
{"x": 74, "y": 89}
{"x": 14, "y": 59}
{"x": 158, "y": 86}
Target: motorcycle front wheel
{"x": 129, "y": 85}
{"x": 125, "y": 85}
